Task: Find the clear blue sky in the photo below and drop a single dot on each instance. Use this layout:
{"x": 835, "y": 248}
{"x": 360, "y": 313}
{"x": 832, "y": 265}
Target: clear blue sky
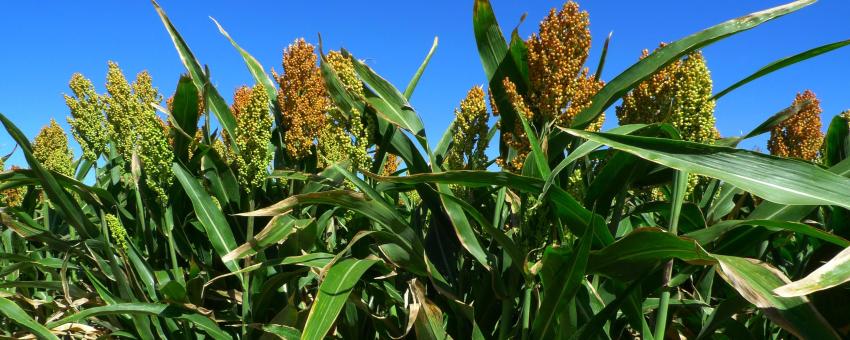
{"x": 44, "y": 43}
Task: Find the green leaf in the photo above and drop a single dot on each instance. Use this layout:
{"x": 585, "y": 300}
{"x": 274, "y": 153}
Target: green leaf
{"x": 201, "y": 80}
{"x": 641, "y": 70}
{"x": 775, "y": 211}
{"x": 602, "y": 57}
{"x": 408, "y": 91}
{"x": 284, "y": 332}
{"x": 576, "y": 216}
{"x": 254, "y": 66}
{"x": 463, "y": 230}
{"x": 161, "y": 310}
{"x": 766, "y": 125}
{"x": 782, "y": 63}
{"x": 340, "y": 198}
{"x": 211, "y": 218}
{"x": 704, "y": 236}
{"x": 561, "y": 276}
{"x": 641, "y": 250}
{"x": 388, "y": 100}
{"x": 508, "y": 245}
{"x": 540, "y": 162}
{"x": 333, "y": 292}
{"x": 755, "y": 281}
{"x": 837, "y": 141}
{"x": 426, "y": 316}
{"x": 789, "y": 181}
{"x": 185, "y": 113}
{"x": 18, "y": 315}
{"x": 834, "y": 272}
{"x": 68, "y": 208}
{"x": 498, "y": 61}
{"x": 276, "y": 231}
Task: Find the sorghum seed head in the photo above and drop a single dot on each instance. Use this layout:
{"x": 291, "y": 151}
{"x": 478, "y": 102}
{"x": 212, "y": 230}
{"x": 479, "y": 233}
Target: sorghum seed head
{"x": 469, "y": 132}
{"x": 88, "y": 123}
{"x": 555, "y": 56}
{"x": 302, "y": 99}
{"x": 680, "y": 94}
{"x": 800, "y": 135}
{"x": 516, "y": 137}
{"x": 50, "y": 147}
{"x": 253, "y": 132}
{"x": 117, "y": 231}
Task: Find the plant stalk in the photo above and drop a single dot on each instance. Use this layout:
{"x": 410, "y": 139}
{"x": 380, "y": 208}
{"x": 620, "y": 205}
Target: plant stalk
{"x": 680, "y": 185}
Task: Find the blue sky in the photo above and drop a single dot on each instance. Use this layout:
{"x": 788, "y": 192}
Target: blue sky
{"x": 44, "y": 43}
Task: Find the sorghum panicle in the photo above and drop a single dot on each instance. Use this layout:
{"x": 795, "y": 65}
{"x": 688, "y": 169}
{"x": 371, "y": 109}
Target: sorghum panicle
{"x": 800, "y": 135}
{"x": 345, "y": 136}
{"x": 680, "y": 94}
{"x": 122, "y": 111}
{"x": 516, "y": 137}
{"x": 153, "y": 147}
{"x": 137, "y": 128}
{"x": 390, "y": 165}
{"x": 469, "y": 132}
{"x": 88, "y": 123}
{"x": 586, "y": 86}
{"x": 50, "y": 147}
{"x": 555, "y": 57}
{"x": 15, "y": 196}
{"x": 302, "y": 99}
{"x": 117, "y": 231}
{"x": 253, "y": 131}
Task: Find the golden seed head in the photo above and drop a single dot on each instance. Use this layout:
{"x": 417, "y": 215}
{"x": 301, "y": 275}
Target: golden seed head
{"x": 555, "y": 57}
{"x": 88, "y": 123}
{"x": 390, "y": 165}
{"x": 241, "y": 98}
{"x": 253, "y": 132}
{"x": 585, "y": 87}
{"x": 50, "y": 148}
{"x": 469, "y": 132}
{"x": 516, "y": 138}
{"x": 302, "y": 99}
{"x": 117, "y": 231}
{"x": 680, "y": 94}
{"x": 800, "y": 135}
{"x": 13, "y": 197}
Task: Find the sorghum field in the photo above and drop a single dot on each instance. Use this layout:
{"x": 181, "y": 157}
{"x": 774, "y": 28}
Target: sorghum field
{"x": 312, "y": 204}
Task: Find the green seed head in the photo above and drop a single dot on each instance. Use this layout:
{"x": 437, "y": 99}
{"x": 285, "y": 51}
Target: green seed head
{"x": 117, "y": 231}
{"x": 680, "y": 94}
{"x": 136, "y": 128}
{"x": 346, "y": 136}
{"x": 88, "y": 123}
{"x": 50, "y": 147}
{"x": 345, "y": 71}
{"x": 253, "y": 132}
{"x": 469, "y": 132}
{"x": 122, "y": 111}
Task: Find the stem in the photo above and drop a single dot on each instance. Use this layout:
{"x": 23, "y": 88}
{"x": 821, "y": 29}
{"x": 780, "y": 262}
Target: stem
{"x": 246, "y": 285}
{"x": 680, "y": 184}
{"x": 526, "y": 310}
{"x": 168, "y": 223}
{"x": 507, "y": 308}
